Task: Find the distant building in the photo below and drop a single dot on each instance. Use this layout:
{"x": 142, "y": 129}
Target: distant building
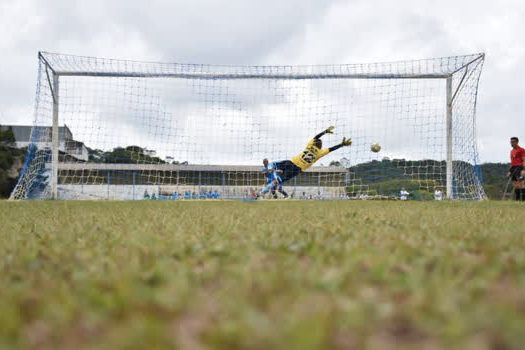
{"x": 42, "y": 138}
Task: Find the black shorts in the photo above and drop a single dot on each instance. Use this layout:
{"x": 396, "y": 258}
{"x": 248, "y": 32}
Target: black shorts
{"x": 515, "y": 173}
{"x": 289, "y": 170}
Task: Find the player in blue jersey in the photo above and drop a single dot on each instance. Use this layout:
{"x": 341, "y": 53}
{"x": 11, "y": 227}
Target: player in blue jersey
{"x": 272, "y": 176}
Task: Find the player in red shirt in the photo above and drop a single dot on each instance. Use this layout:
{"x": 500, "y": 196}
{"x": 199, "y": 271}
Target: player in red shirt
{"x": 516, "y": 172}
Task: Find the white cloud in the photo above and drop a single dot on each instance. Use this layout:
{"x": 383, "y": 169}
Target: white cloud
{"x": 274, "y": 32}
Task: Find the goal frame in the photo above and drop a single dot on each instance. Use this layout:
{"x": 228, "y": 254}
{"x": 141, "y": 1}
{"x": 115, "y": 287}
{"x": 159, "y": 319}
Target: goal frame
{"x": 53, "y": 79}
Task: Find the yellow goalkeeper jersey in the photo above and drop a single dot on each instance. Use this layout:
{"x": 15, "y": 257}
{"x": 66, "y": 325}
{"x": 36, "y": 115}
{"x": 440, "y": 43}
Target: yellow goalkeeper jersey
{"x": 309, "y": 156}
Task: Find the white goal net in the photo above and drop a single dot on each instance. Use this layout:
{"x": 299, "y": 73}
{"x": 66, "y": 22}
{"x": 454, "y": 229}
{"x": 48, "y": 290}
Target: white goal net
{"x": 118, "y": 129}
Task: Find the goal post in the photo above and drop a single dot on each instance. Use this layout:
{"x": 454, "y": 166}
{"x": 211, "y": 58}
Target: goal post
{"x": 449, "y": 192}
{"x": 119, "y": 129}
{"x": 55, "y": 138}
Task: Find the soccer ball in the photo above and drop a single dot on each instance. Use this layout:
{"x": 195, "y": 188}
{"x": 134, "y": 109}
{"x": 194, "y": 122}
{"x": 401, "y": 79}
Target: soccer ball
{"x": 375, "y": 147}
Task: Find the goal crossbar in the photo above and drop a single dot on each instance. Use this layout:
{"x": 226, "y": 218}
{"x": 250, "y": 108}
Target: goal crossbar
{"x": 253, "y": 76}
{"x": 229, "y": 72}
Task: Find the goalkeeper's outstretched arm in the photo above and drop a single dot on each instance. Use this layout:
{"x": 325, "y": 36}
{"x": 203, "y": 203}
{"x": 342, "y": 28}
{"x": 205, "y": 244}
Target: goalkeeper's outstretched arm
{"x": 345, "y": 142}
{"x": 330, "y": 130}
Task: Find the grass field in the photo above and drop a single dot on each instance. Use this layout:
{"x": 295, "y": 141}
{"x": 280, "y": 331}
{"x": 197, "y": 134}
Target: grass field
{"x": 290, "y": 275}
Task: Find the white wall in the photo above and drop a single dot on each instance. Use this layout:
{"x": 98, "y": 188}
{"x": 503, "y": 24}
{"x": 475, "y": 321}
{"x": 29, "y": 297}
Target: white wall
{"x": 131, "y": 192}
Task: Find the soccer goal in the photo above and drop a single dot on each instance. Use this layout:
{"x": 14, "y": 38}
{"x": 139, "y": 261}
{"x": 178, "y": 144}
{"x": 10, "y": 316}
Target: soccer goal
{"x": 119, "y": 129}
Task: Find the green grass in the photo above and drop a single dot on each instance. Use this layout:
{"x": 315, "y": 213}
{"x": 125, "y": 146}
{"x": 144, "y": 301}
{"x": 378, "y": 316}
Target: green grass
{"x": 290, "y": 275}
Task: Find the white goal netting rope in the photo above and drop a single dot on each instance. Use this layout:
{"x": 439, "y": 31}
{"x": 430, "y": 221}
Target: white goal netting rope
{"x": 134, "y": 130}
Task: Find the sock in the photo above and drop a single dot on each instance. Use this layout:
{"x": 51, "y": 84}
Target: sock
{"x": 517, "y": 193}
{"x": 283, "y": 192}
{"x": 266, "y": 188}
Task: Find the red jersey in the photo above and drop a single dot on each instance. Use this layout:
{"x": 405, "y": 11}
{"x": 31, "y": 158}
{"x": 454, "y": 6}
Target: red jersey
{"x": 516, "y": 156}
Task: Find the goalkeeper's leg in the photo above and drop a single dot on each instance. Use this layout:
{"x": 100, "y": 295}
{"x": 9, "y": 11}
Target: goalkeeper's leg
{"x": 283, "y": 192}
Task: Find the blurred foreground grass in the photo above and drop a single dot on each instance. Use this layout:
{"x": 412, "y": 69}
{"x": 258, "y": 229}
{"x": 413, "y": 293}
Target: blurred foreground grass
{"x": 290, "y": 275}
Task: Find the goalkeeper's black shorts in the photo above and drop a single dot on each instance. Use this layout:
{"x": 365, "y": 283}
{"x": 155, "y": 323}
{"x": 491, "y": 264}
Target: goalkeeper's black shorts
{"x": 289, "y": 170}
{"x": 515, "y": 173}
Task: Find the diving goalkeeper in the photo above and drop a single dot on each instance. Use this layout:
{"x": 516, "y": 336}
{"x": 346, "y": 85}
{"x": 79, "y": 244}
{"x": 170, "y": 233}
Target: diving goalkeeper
{"x": 288, "y": 169}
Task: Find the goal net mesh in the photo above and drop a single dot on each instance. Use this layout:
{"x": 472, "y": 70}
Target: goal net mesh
{"x": 135, "y": 130}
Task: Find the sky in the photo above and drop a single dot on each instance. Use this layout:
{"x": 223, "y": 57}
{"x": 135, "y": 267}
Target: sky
{"x": 275, "y": 32}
